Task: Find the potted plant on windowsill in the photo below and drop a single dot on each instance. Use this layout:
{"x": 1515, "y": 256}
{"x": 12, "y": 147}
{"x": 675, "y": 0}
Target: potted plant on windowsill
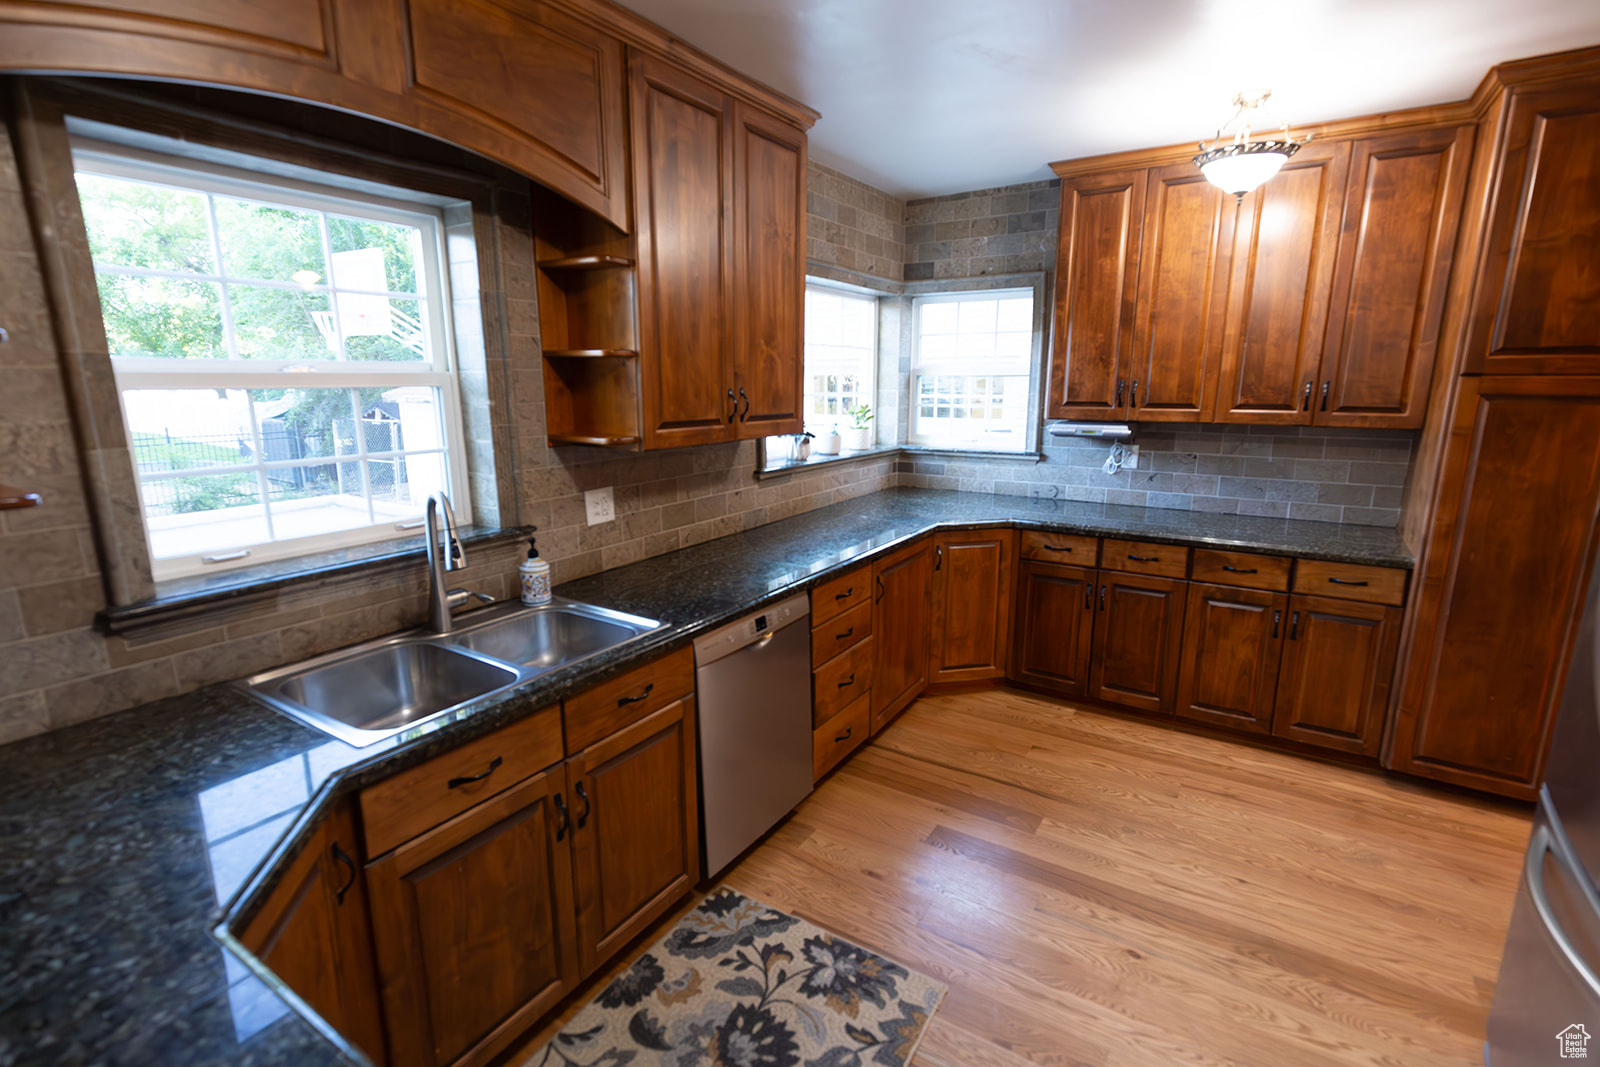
{"x": 858, "y": 438}
{"x": 827, "y": 443}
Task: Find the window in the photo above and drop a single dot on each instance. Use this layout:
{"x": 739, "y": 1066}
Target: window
{"x": 972, "y": 356}
{"x": 282, "y": 354}
{"x": 841, "y": 353}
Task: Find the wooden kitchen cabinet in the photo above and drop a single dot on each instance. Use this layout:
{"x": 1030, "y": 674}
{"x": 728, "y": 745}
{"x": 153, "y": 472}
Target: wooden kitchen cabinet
{"x": 1138, "y": 635}
{"x": 1097, "y": 272}
{"x": 1338, "y": 666}
{"x": 972, "y": 572}
{"x": 1509, "y": 547}
{"x": 475, "y": 928}
{"x": 635, "y": 829}
{"x": 1533, "y": 311}
{"x": 1054, "y": 627}
{"x": 313, "y": 933}
{"x": 1232, "y": 642}
{"x": 901, "y": 616}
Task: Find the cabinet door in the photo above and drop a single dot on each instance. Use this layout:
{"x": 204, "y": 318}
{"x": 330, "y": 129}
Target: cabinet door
{"x": 902, "y": 590}
{"x": 1402, "y": 209}
{"x": 313, "y": 933}
{"x": 1097, "y": 271}
{"x": 1338, "y": 664}
{"x": 971, "y": 604}
{"x": 1510, "y": 544}
{"x": 635, "y": 829}
{"x": 1539, "y": 274}
{"x": 474, "y": 928}
{"x": 1283, "y": 255}
{"x": 1228, "y": 674}
{"x": 683, "y": 169}
{"x": 769, "y": 269}
{"x": 1055, "y": 619}
{"x": 1138, "y": 634}
{"x": 1183, "y": 290}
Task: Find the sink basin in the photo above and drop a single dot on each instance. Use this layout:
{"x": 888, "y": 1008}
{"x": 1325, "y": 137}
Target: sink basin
{"x": 550, "y": 636}
{"x": 373, "y": 692}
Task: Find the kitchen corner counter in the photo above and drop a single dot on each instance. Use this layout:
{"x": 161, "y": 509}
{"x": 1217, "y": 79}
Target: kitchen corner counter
{"x": 121, "y": 838}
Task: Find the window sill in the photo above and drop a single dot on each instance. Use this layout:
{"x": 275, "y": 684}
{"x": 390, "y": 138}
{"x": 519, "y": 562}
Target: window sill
{"x": 187, "y": 599}
{"x": 816, "y": 460}
{"x": 972, "y": 453}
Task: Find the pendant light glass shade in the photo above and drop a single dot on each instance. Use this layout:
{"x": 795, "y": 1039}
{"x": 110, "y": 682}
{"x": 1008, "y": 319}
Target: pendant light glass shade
{"x": 1236, "y": 164}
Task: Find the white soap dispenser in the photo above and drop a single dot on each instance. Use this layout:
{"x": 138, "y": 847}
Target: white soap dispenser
{"x": 535, "y": 574}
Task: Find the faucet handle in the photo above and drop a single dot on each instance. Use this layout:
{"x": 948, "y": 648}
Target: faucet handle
{"x": 457, "y": 597}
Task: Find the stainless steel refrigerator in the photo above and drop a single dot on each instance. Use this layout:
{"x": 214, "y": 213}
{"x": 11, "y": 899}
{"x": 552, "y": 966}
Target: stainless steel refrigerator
{"x": 1547, "y": 1000}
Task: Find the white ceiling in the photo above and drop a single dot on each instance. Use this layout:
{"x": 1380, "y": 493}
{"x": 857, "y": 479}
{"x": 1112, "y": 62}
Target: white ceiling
{"x": 926, "y": 97}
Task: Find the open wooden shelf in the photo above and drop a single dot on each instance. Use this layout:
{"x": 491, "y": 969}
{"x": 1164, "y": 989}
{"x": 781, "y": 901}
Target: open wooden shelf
{"x": 590, "y": 353}
{"x": 585, "y": 263}
{"x": 11, "y": 498}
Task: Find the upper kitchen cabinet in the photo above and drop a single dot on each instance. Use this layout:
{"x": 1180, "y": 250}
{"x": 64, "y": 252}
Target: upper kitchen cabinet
{"x": 1283, "y": 256}
{"x": 1402, "y": 208}
{"x": 1538, "y": 281}
{"x": 1097, "y": 270}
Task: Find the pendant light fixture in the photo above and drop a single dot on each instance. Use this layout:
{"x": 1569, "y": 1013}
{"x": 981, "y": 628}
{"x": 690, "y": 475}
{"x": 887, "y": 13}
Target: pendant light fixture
{"x": 1236, "y": 164}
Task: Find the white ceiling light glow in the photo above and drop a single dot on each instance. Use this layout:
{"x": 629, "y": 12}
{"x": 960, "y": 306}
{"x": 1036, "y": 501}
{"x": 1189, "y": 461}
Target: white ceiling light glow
{"x": 1236, "y": 164}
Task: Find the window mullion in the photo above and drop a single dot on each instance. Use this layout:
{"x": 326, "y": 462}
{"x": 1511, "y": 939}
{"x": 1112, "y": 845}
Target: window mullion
{"x": 258, "y": 446}
{"x": 229, "y": 341}
{"x": 333, "y": 292}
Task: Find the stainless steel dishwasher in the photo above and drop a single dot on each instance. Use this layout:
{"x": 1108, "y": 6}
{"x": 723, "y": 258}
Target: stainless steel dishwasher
{"x": 753, "y": 682}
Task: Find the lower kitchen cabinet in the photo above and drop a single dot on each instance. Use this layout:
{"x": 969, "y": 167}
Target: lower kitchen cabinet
{"x": 902, "y": 583}
{"x": 1138, "y": 635}
{"x": 313, "y": 933}
{"x": 1055, "y": 625}
{"x": 635, "y": 849}
{"x": 1232, "y": 640}
{"x": 971, "y": 604}
{"x": 475, "y": 927}
{"x": 1338, "y": 665}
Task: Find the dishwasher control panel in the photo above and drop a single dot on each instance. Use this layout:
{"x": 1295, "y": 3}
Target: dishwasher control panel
{"x": 736, "y": 635}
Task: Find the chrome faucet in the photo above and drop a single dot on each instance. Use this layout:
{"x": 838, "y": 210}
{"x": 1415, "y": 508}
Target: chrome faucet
{"x": 445, "y": 554}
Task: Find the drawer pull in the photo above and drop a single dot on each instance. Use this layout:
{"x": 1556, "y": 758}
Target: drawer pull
{"x": 1239, "y": 570}
{"x": 848, "y": 682}
{"x": 563, "y": 823}
{"x": 494, "y": 765}
{"x": 879, "y": 598}
{"x": 1057, "y": 548}
{"x": 1346, "y": 581}
{"x": 846, "y": 735}
{"x": 847, "y": 633}
{"x": 583, "y": 795}
{"x": 349, "y": 865}
{"x": 846, "y": 595}
{"x": 1143, "y": 559}
{"x": 623, "y": 702}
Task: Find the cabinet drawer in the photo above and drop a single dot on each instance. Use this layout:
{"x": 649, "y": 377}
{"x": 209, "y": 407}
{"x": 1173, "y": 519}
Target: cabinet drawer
{"x": 627, "y": 698}
{"x": 838, "y": 595}
{"x": 1248, "y": 569}
{"x": 1143, "y": 557}
{"x": 841, "y": 680}
{"x": 836, "y": 635}
{"x": 840, "y": 735}
{"x": 1352, "y": 581}
{"x": 1076, "y": 549}
{"x": 399, "y": 808}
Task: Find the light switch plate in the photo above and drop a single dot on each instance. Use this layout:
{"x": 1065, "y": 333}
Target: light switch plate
{"x": 600, "y": 505}
{"x": 1130, "y": 460}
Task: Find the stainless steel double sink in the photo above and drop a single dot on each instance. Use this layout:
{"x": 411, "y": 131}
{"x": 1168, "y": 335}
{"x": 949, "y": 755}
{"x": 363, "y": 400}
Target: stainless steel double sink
{"x": 369, "y": 692}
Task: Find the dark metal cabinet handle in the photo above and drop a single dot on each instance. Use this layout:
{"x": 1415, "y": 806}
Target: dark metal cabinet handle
{"x": 848, "y": 682}
{"x": 846, "y": 735}
{"x": 1143, "y": 559}
{"x": 1277, "y": 617}
{"x": 339, "y": 856}
{"x": 1305, "y": 402}
{"x": 494, "y": 765}
{"x": 1088, "y": 596}
{"x": 625, "y": 701}
{"x": 583, "y": 795}
{"x": 879, "y": 597}
{"x": 938, "y": 557}
{"x": 1102, "y": 598}
{"x": 1057, "y": 548}
{"x": 564, "y": 822}
{"x": 1294, "y": 626}
{"x": 1239, "y": 570}
{"x": 745, "y": 414}
{"x": 734, "y": 413}
{"x": 1325, "y": 394}
{"x": 847, "y": 633}
{"x": 846, "y": 595}
{"x": 1133, "y": 400}
{"x": 1345, "y": 581}
{"x": 1119, "y": 394}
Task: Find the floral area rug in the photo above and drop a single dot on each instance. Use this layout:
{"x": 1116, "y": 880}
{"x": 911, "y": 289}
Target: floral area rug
{"x": 739, "y": 984}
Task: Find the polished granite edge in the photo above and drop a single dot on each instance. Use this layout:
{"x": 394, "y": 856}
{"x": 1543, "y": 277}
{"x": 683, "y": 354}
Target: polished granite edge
{"x": 174, "y": 752}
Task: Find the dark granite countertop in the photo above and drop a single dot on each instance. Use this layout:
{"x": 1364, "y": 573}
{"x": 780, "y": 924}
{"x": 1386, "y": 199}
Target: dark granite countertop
{"x": 122, "y": 839}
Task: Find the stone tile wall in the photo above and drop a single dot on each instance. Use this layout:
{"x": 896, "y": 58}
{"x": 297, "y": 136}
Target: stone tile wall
{"x": 853, "y": 227}
{"x": 1010, "y": 230}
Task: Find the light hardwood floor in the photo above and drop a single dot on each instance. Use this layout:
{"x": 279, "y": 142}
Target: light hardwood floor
{"x": 1098, "y": 890}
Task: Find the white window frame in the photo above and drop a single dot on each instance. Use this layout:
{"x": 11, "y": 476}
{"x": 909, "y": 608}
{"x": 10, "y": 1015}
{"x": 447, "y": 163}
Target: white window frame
{"x": 131, "y": 373}
{"x": 870, "y": 387}
{"x": 1028, "y": 440}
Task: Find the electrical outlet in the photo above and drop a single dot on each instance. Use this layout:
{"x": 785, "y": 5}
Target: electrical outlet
{"x": 1130, "y": 461}
{"x": 600, "y": 505}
